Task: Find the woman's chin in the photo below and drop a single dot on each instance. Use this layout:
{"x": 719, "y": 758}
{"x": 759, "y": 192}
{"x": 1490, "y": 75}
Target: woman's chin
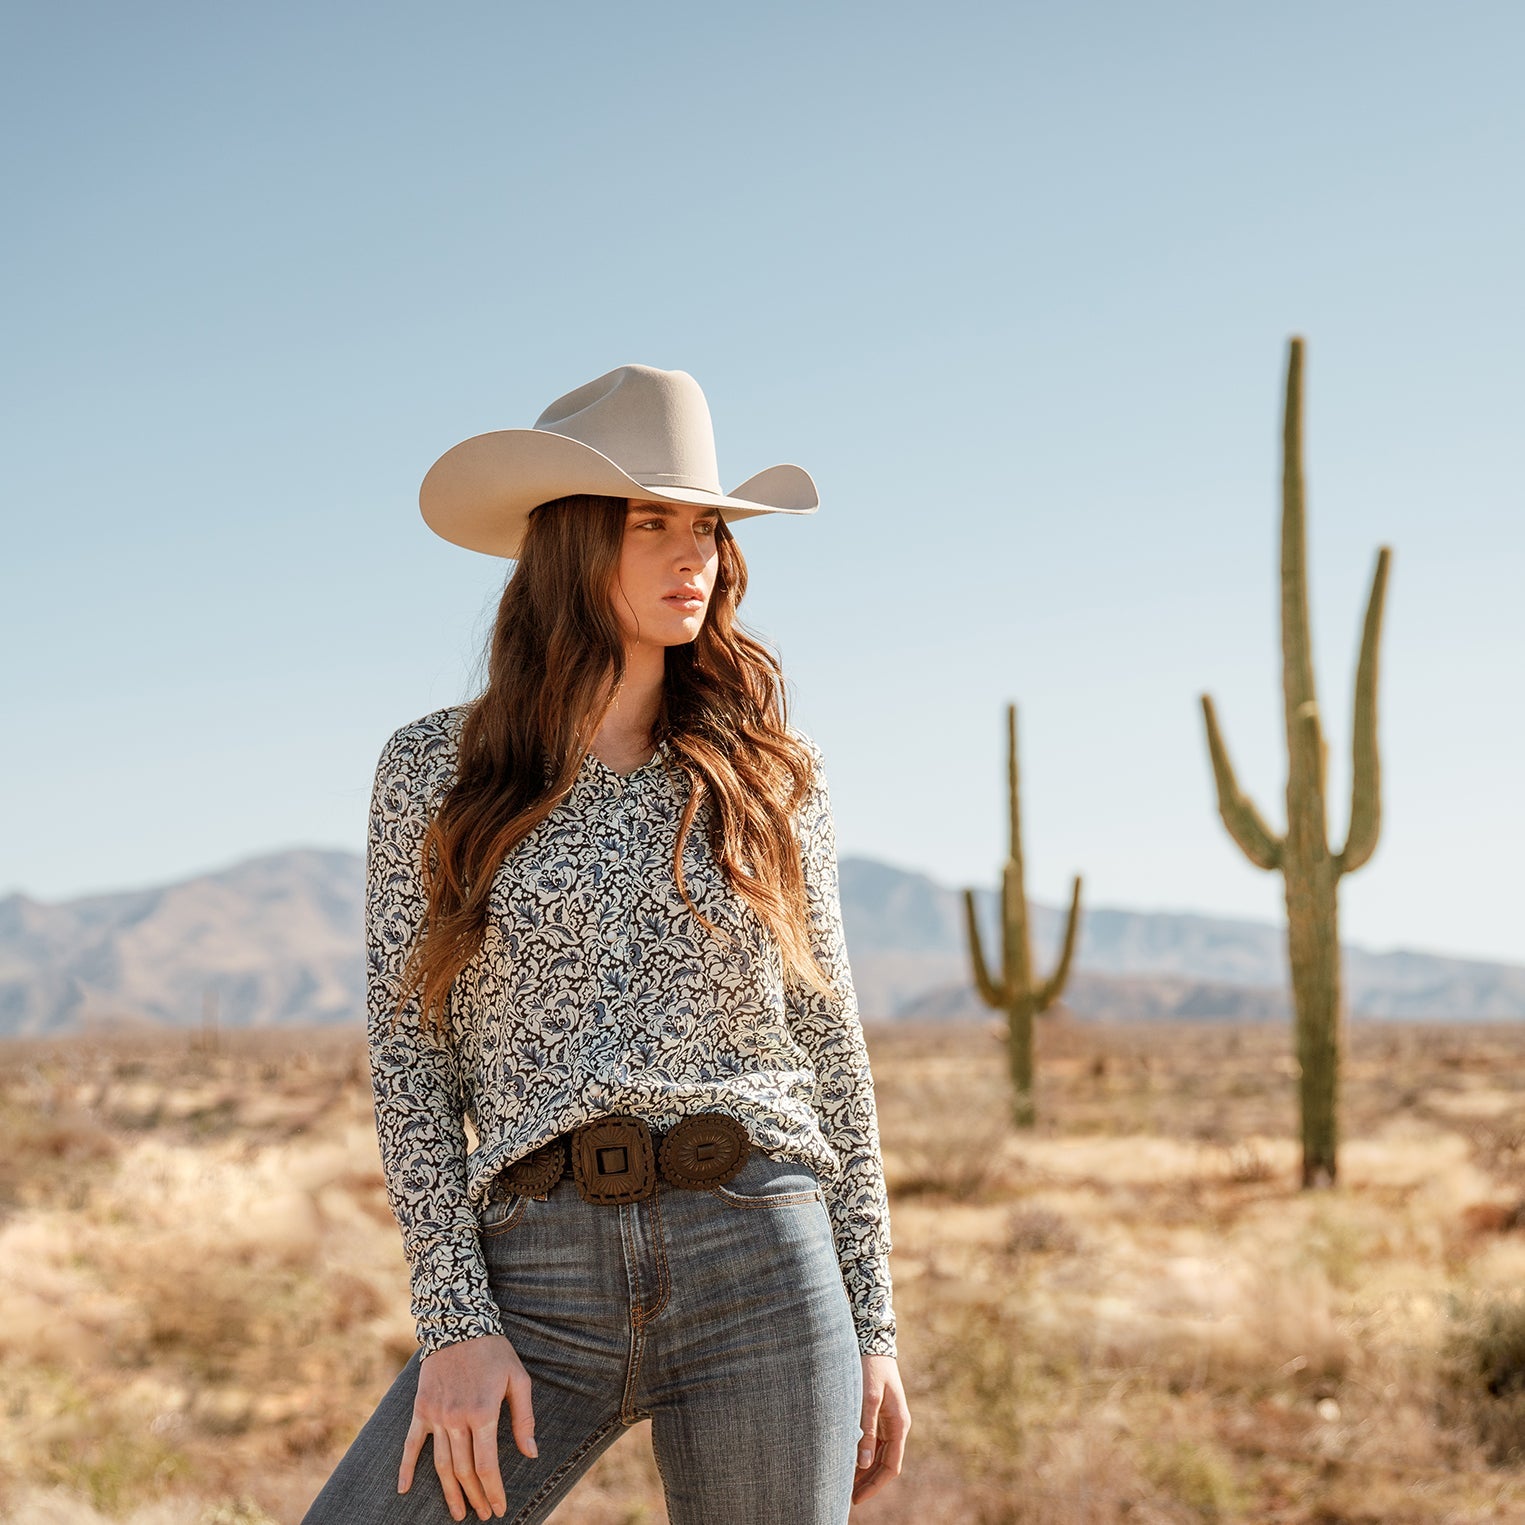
{"x": 683, "y": 620}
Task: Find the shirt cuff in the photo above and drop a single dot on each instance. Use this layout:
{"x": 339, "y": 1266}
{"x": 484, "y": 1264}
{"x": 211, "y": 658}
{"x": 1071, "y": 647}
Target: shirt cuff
{"x": 437, "y": 1330}
{"x": 869, "y": 1294}
{"x": 451, "y": 1300}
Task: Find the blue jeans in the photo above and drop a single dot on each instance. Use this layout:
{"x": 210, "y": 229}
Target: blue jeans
{"x": 719, "y": 1314}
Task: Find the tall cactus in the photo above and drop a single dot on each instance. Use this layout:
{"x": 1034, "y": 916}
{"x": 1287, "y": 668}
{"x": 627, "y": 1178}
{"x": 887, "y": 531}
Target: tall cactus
{"x": 1310, "y": 870}
{"x": 1015, "y": 992}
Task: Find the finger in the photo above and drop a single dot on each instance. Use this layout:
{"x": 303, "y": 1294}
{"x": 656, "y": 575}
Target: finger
{"x": 484, "y": 1446}
{"x": 869, "y": 1482}
{"x": 463, "y": 1460}
{"x": 447, "y": 1481}
{"x": 410, "y": 1449}
{"x": 870, "y": 1425}
{"x": 889, "y": 1453}
{"x": 521, "y": 1412}
{"x": 897, "y": 1428}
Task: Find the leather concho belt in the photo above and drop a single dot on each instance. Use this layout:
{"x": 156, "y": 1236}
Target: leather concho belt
{"x": 617, "y": 1158}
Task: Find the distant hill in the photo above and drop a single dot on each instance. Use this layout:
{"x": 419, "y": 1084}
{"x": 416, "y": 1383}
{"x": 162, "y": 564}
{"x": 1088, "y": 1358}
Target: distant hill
{"x": 277, "y": 940}
{"x": 903, "y": 926}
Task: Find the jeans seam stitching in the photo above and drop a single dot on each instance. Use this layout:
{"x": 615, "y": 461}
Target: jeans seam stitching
{"x": 664, "y": 1278}
{"x": 627, "y": 1413}
{"x": 632, "y": 1278}
{"x": 632, "y": 1275}
{"x": 550, "y": 1483}
{"x": 656, "y": 1456}
{"x": 509, "y": 1220}
{"x": 782, "y": 1199}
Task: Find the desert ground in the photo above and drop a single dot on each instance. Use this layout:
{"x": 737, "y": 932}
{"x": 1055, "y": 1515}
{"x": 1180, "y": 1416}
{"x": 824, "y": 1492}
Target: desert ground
{"x": 1129, "y": 1314}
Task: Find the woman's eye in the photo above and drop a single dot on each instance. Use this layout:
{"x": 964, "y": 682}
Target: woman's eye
{"x": 646, "y": 524}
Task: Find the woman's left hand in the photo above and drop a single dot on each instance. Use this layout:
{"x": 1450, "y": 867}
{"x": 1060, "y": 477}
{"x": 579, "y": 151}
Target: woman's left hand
{"x": 885, "y": 1421}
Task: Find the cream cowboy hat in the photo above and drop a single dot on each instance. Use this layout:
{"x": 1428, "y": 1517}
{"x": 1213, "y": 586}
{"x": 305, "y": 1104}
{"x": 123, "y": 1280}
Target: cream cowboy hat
{"x": 635, "y": 432}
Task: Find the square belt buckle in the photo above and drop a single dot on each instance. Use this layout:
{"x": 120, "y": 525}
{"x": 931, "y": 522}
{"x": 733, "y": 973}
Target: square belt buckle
{"x": 613, "y": 1160}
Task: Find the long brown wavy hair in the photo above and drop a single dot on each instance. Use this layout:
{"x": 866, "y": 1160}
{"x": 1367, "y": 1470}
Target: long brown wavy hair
{"x": 556, "y": 661}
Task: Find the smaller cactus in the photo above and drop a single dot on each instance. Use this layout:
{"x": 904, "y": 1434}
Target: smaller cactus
{"x": 1015, "y": 991}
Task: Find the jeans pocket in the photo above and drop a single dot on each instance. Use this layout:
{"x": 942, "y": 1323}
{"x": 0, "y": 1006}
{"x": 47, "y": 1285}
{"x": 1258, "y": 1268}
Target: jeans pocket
{"x": 499, "y": 1217}
{"x": 766, "y": 1182}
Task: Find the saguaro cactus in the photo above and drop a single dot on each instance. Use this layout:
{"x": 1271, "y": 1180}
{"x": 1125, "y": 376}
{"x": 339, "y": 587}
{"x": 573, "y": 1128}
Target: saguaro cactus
{"x": 1015, "y": 992}
{"x": 1310, "y": 870}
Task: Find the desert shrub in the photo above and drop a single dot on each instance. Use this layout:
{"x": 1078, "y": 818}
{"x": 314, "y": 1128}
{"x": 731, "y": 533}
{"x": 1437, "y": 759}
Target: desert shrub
{"x": 240, "y": 1511}
{"x": 50, "y": 1150}
{"x": 97, "y": 1448}
{"x": 115, "y": 1467}
{"x": 1197, "y": 1475}
{"x": 1032, "y": 1230}
{"x": 1482, "y": 1374}
{"x": 1249, "y": 1164}
{"x": 984, "y": 1367}
{"x": 1498, "y": 1143}
{"x": 1338, "y": 1245}
{"x": 952, "y": 1148}
{"x": 215, "y": 1318}
{"x": 1282, "y": 1333}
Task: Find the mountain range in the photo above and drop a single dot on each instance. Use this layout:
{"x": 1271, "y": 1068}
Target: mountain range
{"x": 276, "y": 939}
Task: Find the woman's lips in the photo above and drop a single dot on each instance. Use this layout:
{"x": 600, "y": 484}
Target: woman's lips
{"x": 684, "y": 601}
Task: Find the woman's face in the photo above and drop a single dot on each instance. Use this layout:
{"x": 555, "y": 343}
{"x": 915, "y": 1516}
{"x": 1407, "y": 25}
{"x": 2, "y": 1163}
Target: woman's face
{"x": 668, "y": 563}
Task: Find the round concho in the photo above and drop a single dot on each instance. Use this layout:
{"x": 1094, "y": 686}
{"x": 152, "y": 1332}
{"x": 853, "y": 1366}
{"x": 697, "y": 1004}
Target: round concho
{"x": 705, "y": 1149}
{"x": 538, "y": 1171}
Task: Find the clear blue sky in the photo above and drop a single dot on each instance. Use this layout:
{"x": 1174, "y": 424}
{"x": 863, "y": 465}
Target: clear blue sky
{"x": 1013, "y": 282}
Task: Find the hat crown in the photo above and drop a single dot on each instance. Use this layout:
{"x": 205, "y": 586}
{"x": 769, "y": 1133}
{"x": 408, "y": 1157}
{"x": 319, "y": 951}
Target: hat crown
{"x": 655, "y": 425}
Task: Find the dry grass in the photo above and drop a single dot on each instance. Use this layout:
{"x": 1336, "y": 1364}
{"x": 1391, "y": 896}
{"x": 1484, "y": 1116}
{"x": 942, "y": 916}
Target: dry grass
{"x": 1129, "y": 1314}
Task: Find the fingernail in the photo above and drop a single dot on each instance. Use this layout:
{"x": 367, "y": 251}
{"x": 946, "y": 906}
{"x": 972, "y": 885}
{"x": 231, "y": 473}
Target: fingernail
{"x": 534, "y": 1449}
{"x": 865, "y": 1455}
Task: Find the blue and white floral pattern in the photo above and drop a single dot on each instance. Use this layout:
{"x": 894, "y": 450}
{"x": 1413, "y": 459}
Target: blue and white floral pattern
{"x": 597, "y": 990}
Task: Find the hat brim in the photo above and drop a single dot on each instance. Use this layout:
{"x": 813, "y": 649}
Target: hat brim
{"x": 480, "y": 493}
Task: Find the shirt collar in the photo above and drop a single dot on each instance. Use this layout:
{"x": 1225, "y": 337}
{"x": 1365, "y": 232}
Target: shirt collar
{"x": 597, "y": 780}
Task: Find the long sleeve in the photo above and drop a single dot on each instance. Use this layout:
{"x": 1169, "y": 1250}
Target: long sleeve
{"x": 414, "y": 1076}
{"x": 829, "y": 1029}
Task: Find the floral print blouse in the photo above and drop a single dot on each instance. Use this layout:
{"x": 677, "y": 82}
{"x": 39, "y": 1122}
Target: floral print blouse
{"x": 596, "y": 990}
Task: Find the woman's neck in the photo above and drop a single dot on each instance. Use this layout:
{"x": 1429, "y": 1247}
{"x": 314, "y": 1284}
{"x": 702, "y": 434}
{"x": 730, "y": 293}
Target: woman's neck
{"x": 624, "y": 740}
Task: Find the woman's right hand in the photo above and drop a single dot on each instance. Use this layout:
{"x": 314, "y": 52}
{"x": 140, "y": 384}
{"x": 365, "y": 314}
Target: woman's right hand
{"x": 460, "y": 1391}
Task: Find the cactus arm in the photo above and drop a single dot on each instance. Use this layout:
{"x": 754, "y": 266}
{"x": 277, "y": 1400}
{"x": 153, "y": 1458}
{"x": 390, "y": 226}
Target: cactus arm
{"x": 1366, "y": 769}
{"x": 1055, "y": 982}
{"x": 990, "y": 994}
{"x": 1245, "y": 823}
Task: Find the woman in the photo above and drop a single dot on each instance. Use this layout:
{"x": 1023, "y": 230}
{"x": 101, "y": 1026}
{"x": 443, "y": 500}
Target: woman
{"x": 603, "y": 926}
